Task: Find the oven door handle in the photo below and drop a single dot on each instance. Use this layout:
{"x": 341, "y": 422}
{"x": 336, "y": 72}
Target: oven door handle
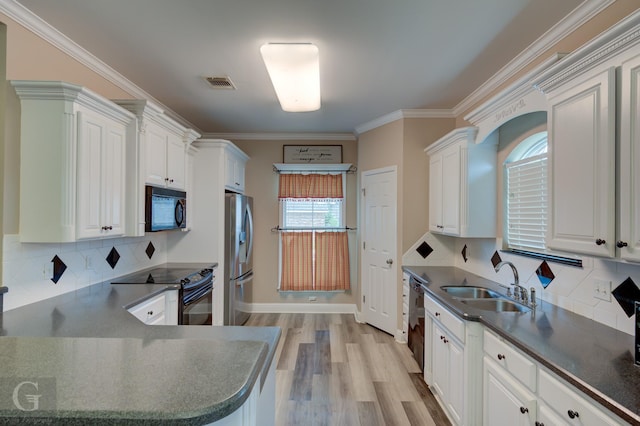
{"x": 244, "y": 279}
{"x": 197, "y": 294}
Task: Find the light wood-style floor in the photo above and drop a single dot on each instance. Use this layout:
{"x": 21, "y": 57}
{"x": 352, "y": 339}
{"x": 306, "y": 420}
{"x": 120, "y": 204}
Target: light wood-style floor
{"x": 332, "y": 370}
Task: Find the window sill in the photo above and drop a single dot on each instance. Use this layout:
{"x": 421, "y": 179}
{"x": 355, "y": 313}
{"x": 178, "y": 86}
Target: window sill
{"x": 569, "y": 261}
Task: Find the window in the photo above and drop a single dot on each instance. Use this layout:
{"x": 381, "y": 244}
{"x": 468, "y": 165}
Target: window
{"x": 526, "y": 195}
{"x": 312, "y": 213}
{"x": 314, "y": 251}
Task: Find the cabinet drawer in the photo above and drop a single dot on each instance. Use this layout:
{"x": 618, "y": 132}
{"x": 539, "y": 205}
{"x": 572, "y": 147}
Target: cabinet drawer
{"x": 509, "y": 358}
{"x": 149, "y": 310}
{"x": 454, "y": 324}
{"x": 571, "y": 407}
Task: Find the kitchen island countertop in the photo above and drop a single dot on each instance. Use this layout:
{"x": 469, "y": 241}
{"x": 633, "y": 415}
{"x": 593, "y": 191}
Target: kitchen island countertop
{"x": 596, "y": 359}
{"x": 102, "y": 359}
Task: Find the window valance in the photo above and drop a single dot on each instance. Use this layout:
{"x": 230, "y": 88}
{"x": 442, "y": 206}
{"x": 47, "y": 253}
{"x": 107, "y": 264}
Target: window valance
{"x": 310, "y": 186}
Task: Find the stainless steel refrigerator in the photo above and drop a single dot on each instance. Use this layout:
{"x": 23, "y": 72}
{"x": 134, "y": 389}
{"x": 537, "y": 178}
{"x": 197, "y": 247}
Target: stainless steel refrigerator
{"x": 238, "y": 255}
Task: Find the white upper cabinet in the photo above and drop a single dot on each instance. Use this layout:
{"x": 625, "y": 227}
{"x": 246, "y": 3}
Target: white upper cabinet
{"x": 163, "y": 144}
{"x": 581, "y": 124}
{"x": 593, "y": 146}
{"x": 462, "y": 185}
{"x": 235, "y": 162}
{"x": 628, "y": 242}
{"x": 74, "y": 148}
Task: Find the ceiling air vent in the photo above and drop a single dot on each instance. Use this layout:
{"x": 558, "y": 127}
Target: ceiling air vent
{"x": 223, "y": 83}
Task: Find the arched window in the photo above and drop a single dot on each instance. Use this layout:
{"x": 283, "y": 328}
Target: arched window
{"x": 526, "y": 194}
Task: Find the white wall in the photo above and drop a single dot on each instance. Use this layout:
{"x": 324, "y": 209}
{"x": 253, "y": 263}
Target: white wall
{"x": 27, "y": 268}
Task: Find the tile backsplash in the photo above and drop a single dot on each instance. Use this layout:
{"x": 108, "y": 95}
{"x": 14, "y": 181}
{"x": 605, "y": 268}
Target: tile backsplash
{"x": 29, "y": 269}
{"x": 568, "y": 287}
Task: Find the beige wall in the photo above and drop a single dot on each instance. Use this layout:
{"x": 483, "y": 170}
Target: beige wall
{"x": 418, "y": 134}
{"x": 262, "y": 184}
{"x": 596, "y": 25}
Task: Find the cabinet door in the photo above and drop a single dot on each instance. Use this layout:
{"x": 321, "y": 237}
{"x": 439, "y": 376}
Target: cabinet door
{"x": 175, "y": 162}
{"x": 548, "y": 417}
{"x": 155, "y": 156}
{"x": 456, "y": 389}
{"x": 91, "y": 133}
{"x": 435, "y": 194}
{"x": 629, "y": 161}
{"x": 114, "y": 192}
{"x": 440, "y": 360}
{"x": 234, "y": 173}
{"x": 451, "y": 190}
{"x": 506, "y": 403}
{"x": 582, "y": 175}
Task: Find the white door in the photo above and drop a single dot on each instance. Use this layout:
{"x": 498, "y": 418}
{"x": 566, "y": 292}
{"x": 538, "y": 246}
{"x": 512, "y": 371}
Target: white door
{"x": 379, "y": 239}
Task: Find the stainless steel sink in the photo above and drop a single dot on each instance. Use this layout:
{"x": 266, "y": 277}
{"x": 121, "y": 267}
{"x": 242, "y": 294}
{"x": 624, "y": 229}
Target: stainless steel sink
{"x": 496, "y": 305}
{"x": 469, "y": 292}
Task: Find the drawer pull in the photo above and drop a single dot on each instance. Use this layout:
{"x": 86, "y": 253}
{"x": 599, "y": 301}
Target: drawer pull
{"x": 572, "y": 414}
{"x": 539, "y": 424}
{"x": 524, "y": 410}
{"x": 446, "y": 341}
{"x": 437, "y": 314}
{"x": 501, "y": 357}
{"x": 600, "y": 241}
{"x": 441, "y": 337}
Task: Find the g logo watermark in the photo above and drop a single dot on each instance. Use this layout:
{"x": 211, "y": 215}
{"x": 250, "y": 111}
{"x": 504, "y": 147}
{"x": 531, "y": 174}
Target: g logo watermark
{"x": 34, "y": 400}
{"x": 30, "y": 395}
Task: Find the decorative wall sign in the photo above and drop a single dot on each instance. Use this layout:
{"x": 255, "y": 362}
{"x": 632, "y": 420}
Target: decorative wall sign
{"x": 310, "y": 154}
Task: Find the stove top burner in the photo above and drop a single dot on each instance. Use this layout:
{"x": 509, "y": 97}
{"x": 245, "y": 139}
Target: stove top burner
{"x": 166, "y": 275}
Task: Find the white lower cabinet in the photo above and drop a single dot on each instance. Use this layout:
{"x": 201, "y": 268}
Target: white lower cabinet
{"x": 518, "y": 391}
{"x": 452, "y": 363}
{"x": 161, "y": 309}
{"x": 506, "y": 402}
{"x": 567, "y": 407}
{"x": 448, "y": 369}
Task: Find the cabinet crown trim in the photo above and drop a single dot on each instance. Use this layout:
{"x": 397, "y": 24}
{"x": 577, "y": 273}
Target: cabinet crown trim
{"x": 618, "y": 39}
{"x": 146, "y": 110}
{"x": 221, "y": 143}
{"x": 462, "y": 134}
{"x": 67, "y": 92}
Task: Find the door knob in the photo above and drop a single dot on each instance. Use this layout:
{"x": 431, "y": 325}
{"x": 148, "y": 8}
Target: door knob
{"x": 389, "y": 261}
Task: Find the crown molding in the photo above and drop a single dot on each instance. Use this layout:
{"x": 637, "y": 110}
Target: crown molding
{"x": 508, "y": 100}
{"x": 401, "y": 114}
{"x": 282, "y": 136}
{"x": 619, "y": 38}
{"x": 584, "y": 12}
{"x": 38, "y": 26}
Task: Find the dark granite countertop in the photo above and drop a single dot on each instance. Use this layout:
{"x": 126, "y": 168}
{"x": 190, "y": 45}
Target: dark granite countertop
{"x": 595, "y": 358}
{"x": 67, "y": 330}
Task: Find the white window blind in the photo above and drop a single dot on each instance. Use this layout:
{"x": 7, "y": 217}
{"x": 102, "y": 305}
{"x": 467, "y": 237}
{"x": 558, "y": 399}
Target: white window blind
{"x": 527, "y": 203}
{"x": 312, "y": 213}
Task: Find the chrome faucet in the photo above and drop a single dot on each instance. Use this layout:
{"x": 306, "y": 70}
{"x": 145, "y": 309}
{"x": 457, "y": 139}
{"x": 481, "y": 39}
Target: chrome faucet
{"x": 520, "y": 293}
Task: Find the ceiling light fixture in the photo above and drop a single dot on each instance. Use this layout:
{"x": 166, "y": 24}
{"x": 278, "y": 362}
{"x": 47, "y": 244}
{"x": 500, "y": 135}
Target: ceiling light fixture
{"x": 294, "y": 69}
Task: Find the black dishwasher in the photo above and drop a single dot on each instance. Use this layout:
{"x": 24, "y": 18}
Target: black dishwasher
{"x": 416, "y": 321}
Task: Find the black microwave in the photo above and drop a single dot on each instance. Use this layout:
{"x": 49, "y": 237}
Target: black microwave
{"x": 164, "y": 209}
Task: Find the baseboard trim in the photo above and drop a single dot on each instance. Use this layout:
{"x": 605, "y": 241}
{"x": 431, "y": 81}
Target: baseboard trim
{"x": 302, "y": 308}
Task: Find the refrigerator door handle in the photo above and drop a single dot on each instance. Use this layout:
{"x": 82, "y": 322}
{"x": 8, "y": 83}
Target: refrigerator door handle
{"x": 245, "y": 279}
{"x": 250, "y": 232}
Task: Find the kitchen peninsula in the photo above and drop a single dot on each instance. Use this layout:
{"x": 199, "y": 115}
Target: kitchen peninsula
{"x": 107, "y": 367}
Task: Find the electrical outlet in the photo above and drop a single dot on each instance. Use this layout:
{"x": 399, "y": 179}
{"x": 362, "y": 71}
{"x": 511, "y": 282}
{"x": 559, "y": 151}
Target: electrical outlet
{"x": 47, "y": 270}
{"x": 602, "y": 289}
{"x": 312, "y": 298}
